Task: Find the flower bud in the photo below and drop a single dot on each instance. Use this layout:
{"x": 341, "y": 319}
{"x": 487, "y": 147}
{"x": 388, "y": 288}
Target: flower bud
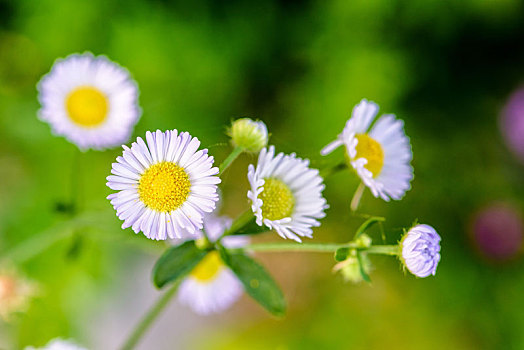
{"x": 248, "y": 134}
{"x": 350, "y": 268}
{"x": 420, "y": 249}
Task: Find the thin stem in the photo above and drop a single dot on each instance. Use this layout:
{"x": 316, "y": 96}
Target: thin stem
{"x": 357, "y": 196}
{"x": 333, "y": 170}
{"x": 297, "y": 247}
{"x": 75, "y": 183}
{"x": 384, "y": 249}
{"x": 240, "y": 222}
{"x": 149, "y": 318}
{"x": 232, "y": 156}
{"x": 319, "y": 248}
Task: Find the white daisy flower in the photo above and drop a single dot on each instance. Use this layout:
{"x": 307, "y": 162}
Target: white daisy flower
{"x": 212, "y": 287}
{"x": 165, "y": 187}
{"x": 91, "y": 101}
{"x": 58, "y": 344}
{"x": 381, "y": 156}
{"x": 286, "y": 195}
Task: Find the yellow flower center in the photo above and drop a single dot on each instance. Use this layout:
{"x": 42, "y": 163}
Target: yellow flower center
{"x": 208, "y": 268}
{"x": 277, "y": 199}
{"x": 371, "y": 150}
{"x": 87, "y": 106}
{"x": 164, "y": 187}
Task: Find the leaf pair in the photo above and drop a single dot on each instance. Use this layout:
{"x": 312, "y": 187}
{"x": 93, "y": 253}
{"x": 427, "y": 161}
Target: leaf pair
{"x": 177, "y": 262}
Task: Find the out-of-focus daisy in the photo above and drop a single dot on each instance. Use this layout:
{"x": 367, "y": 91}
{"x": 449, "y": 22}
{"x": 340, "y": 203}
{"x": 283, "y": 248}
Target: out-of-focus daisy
{"x": 286, "y": 194}
{"x": 15, "y": 293}
{"x": 512, "y": 123}
{"x": 381, "y": 156}
{"x": 212, "y": 287}
{"x": 420, "y": 250}
{"x": 498, "y": 232}
{"x": 165, "y": 187}
{"x": 58, "y": 344}
{"x": 91, "y": 101}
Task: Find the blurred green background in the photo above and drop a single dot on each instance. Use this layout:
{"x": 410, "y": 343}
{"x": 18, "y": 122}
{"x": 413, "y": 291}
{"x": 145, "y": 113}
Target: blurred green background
{"x": 445, "y": 67}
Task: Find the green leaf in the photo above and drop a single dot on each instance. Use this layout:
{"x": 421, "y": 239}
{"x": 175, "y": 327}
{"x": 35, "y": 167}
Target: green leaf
{"x": 177, "y": 262}
{"x": 257, "y": 281}
{"x": 342, "y": 254}
{"x": 363, "y": 272}
{"x": 367, "y": 224}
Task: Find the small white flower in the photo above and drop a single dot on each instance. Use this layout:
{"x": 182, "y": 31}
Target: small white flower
{"x": 248, "y": 134}
{"x": 165, "y": 187}
{"x": 58, "y": 344}
{"x": 420, "y": 249}
{"x": 286, "y": 195}
{"x": 212, "y": 287}
{"x": 380, "y": 156}
{"x": 91, "y": 101}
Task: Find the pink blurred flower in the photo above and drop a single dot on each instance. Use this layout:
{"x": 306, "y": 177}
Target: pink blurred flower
{"x": 512, "y": 123}
{"x": 498, "y": 232}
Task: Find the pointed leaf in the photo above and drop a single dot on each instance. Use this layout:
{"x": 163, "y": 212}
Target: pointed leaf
{"x": 177, "y": 262}
{"x": 363, "y": 272}
{"x": 342, "y": 254}
{"x": 257, "y": 282}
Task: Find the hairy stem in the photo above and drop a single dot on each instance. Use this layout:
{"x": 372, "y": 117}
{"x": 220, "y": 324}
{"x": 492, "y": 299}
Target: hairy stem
{"x": 297, "y": 247}
{"x": 320, "y": 248}
{"x": 240, "y": 222}
{"x": 384, "y": 249}
{"x": 230, "y": 158}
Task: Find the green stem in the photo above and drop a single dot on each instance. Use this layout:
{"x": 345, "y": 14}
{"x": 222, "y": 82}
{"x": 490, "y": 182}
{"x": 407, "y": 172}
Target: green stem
{"x": 232, "y": 156}
{"x": 297, "y": 247}
{"x": 326, "y": 172}
{"x": 76, "y": 172}
{"x": 149, "y": 318}
{"x": 384, "y": 249}
{"x": 357, "y": 196}
{"x": 240, "y": 222}
{"x": 319, "y": 248}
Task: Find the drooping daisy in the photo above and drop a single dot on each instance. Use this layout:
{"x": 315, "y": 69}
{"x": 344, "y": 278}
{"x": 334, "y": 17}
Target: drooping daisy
{"x": 420, "y": 250}
{"x": 212, "y": 287}
{"x": 286, "y": 194}
{"x": 381, "y": 156}
{"x": 91, "y": 101}
{"x": 165, "y": 187}
{"x": 58, "y": 344}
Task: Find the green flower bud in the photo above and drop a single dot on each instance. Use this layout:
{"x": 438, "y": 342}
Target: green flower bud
{"x": 350, "y": 268}
{"x": 248, "y": 134}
